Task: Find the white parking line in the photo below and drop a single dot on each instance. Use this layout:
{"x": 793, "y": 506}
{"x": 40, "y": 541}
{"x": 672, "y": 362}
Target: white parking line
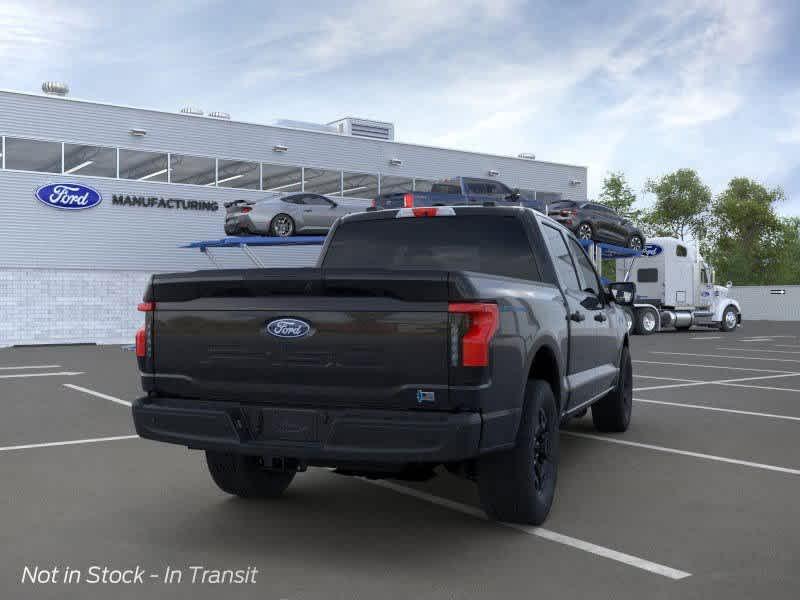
{"x": 794, "y": 360}
{"x": 716, "y": 382}
{"x": 732, "y": 461}
{"x": 760, "y": 350}
{"x": 628, "y": 559}
{"x": 726, "y": 367}
{"x": 635, "y": 375}
{"x": 717, "y": 409}
{"x": 761, "y": 387}
{"x": 20, "y": 375}
{"x": 711, "y": 337}
{"x": 68, "y": 443}
{"x": 30, "y": 367}
{"x": 786, "y": 345}
{"x": 98, "y": 394}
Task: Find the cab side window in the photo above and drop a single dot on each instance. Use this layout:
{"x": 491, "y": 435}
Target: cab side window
{"x": 561, "y": 258}
{"x": 588, "y": 277}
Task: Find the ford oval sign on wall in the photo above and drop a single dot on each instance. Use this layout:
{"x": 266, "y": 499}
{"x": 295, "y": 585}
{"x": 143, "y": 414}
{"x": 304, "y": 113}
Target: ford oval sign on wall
{"x": 288, "y": 328}
{"x": 68, "y": 196}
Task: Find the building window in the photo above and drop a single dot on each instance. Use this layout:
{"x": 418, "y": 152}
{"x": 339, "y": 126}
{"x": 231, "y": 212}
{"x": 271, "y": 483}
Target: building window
{"x": 195, "y": 170}
{"x": 238, "y": 174}
{"x": 33, "y": 155}
{"x": 280, "y": 178}
{"x": 360, "y": 185}
{"x": 90, "y": 160}
{"x": 396, "y": 185}
{"x": 144, "y": 166}
{"x": 680, "y": 251}
{"x": 423, "y": 185}
{"x": 323, "y": 181}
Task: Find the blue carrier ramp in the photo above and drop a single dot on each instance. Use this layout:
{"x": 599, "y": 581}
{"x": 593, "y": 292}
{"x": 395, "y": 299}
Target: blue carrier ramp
{"x": 258, "y": 240}
{"x": 610, "y": 251}
{"x": 247, "y": 243}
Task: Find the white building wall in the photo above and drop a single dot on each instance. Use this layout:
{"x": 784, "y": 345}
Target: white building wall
{"x": 768, "y": 302}
{"x": 76, "y": 276}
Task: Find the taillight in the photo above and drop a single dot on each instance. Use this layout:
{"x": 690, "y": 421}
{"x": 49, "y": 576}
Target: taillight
{"x": 141, "y": 343}
{"x": 569, "y": 213}
{"x": 246, "y": 209}
{"x": 471, "y": 338}
{"x": 408, "y": 200}
{"x": 144, "y": 347}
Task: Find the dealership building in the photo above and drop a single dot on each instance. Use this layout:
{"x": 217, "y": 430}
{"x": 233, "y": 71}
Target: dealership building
{"x": 159, "y": 181}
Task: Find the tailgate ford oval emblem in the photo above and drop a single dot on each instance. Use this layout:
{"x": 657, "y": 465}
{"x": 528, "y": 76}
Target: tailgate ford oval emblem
{"x": 288, "y": 328}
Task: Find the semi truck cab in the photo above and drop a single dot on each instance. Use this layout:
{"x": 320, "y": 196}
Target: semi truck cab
{"x": 675, "y": 288}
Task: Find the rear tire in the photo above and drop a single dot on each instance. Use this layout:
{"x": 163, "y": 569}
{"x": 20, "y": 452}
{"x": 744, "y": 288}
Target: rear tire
{"x": 518, "y": 485}
{"x": 645, "y": 321}
{"x": 613, "y": 412}
{"x": 245, "y": 476}
{"x": 630, "y": 320}
{"x": 282, "y": 225}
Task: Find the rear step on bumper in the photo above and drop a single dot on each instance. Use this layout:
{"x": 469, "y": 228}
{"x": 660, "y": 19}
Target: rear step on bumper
{"x": 374, "y": 436}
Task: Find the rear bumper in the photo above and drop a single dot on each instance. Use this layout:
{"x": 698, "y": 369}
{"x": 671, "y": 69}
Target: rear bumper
{"x": 323, "y": 436}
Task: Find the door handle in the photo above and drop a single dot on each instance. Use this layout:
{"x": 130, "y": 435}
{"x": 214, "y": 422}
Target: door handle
{"x": 600, "y": 317}
{"x": 307, "y": 210}
{"x": 577, "y": 316}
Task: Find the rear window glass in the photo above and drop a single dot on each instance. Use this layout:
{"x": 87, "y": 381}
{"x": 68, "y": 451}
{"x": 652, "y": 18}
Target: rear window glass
{"x": 487, "y": 244}
{"x": 562, "y": 204}
{"x": 647, "y": 275}
{"x": 445, "y": 188}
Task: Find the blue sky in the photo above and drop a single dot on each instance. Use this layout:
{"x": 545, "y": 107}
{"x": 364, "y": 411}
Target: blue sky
{"x": 640, "y": 87}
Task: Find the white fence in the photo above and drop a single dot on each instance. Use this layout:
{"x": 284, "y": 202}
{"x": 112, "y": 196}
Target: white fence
{"x": 768, "y": 302}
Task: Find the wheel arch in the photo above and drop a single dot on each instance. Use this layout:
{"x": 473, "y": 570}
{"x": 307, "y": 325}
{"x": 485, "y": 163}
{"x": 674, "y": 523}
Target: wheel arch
{"x": 545, "y": 366}
{"x": 724, "y": 305}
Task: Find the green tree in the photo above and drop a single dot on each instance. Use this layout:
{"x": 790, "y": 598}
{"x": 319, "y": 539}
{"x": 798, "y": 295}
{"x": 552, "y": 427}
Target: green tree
{"x": 618, "y": 195}
{"x": 681, "y": 205}
{"x": 749, "y": 242}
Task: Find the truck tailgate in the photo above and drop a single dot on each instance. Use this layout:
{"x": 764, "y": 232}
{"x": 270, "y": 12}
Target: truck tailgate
{"x": 373, "y": 339}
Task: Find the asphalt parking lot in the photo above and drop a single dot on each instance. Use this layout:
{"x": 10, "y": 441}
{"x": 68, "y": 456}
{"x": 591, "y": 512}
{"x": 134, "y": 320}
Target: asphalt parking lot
{"x": 699, "y": 499}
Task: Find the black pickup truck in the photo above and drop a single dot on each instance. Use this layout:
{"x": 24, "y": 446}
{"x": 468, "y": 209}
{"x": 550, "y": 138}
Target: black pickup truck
{"x": 428, "y": 336}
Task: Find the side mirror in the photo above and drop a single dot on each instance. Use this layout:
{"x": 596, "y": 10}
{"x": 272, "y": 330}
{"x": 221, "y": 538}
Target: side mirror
{"x": 333, "y": 204}
{"x": 623, "y": 292}
{"x": 729, "y": 285}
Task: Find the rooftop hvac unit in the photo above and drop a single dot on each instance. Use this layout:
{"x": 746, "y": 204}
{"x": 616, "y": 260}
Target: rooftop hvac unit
{"x": 55, "y": 88}
{"x": 376, "y": 130}
{"x": 192, "y": 110}
{"x": 218, "y": 114}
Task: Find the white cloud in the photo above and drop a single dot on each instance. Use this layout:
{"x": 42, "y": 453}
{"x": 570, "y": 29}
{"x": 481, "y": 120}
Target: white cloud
{"x": 790, "y": 134}
{"x": 32, "y": 34}
{"x": 370, "y": 28}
